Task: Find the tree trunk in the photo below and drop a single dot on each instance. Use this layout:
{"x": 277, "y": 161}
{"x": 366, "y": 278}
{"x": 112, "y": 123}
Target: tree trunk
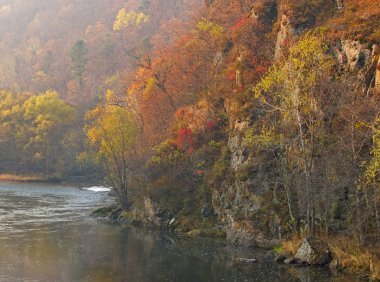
{"x": 359, "y": 218}
{"x": 375, "y": 204}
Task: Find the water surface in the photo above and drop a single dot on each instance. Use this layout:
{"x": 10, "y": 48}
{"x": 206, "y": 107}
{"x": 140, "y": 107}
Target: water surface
{"x": 46, "y": 234}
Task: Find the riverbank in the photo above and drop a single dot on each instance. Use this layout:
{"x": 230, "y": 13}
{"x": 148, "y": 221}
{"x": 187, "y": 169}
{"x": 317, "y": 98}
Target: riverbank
{"x": 77, "y": 181}
{"x": 29, "y": 178}
{"x": 346, "y": 256}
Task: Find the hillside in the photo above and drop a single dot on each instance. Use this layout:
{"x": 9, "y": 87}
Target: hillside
{"x": 256, "y": 119}
{"x": 37, "y": 38}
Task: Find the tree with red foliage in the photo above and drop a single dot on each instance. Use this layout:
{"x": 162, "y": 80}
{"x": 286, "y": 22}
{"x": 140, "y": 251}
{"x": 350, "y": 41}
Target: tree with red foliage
{"x": 185, "y": 140}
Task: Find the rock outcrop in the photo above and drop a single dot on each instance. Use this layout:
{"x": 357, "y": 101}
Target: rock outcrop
{"x": 360, "y": 62}
{"x": 235, "y": 143}
{"x": 159, "y": 218}
{"x": 355, "y": 55}
{"x": 244, "y": 233}
{"x": 284, "y": 36}
{"x": 314, "y": 251}
{"x": 264, "y": 11}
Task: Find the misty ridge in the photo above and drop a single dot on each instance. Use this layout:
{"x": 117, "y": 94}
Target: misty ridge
{"x": 36, "y": 37}
{"x": 257, "y": 121}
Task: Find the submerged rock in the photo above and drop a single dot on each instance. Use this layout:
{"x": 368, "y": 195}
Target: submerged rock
{"x": 245, "y": 260}
{"x": 291, "y": 260}
{"x": 314, "y": 251}
{"x": 280, "y": 258}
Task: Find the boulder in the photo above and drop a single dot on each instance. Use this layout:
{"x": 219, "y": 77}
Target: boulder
{"x": 314, "y": 251}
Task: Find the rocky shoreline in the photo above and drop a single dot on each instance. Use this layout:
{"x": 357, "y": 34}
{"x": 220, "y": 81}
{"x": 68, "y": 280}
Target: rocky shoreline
{"x": 313, "y": 252}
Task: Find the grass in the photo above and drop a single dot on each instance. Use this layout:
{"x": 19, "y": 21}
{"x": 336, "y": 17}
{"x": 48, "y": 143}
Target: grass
{"x": 348, "y": 256}
{"x": 26, "y": 178}
{"x": 356, "y": 259}
{"x": 291, "y": 246}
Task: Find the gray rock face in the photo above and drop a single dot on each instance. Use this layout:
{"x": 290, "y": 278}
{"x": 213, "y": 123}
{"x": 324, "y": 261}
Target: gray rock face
{"x": 242, "y": 235}
{"x": 156, "y": 216}
{"x": 359, "y": 64}
{"x": 314, "y": 252}
{"x": 235, "y": 144}
{"x": 239, "y": 198}
{"x": 245, "y": 234}
{"x": 357, "y": 55}
{"x": 285, "y": 33}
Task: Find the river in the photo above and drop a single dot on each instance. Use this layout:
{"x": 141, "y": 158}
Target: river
{"x": 46, "y": 234}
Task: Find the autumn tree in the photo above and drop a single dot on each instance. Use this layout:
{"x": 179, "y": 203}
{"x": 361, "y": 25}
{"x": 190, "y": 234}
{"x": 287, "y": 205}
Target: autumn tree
{"x": 112, "y": 133}
{"x": 37, "y": 134}
{"x": 291, "y": 90}
{"x": 46, "y": 127}
{"x": 371, "y": 173}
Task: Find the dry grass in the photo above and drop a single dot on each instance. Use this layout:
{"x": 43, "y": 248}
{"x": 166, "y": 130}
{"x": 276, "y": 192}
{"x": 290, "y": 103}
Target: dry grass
{"x": 356, "y": 259}
{"x": 291, "y": 246}
{"x": 350, "y": 257}
{"x": 22, "y": 178}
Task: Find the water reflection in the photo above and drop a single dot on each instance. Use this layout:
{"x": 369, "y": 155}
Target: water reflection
{"x": 46, "y": 235}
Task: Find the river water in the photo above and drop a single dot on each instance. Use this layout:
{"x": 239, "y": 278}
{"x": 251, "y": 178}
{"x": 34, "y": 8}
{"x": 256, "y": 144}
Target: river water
{"x": 46, "y": 234}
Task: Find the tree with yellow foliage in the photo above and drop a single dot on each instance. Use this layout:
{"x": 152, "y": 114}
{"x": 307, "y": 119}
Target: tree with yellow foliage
{"x": 291, "y": 90}
{"x": 111, "y": 131}
{"x": 132, "y": 18}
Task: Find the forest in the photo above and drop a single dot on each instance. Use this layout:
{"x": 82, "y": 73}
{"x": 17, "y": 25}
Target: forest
{"x": 254, "y": 120}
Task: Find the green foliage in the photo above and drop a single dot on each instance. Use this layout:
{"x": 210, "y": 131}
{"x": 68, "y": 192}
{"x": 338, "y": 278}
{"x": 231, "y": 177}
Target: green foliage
{"x": 107, "y": 49}
{"x": 278, "y": 249}
{"x": 167, "y": 155}
{"x": 78, "y": 60}
{"x": 263, "y": 140}
{"x": 47, "y": 62}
